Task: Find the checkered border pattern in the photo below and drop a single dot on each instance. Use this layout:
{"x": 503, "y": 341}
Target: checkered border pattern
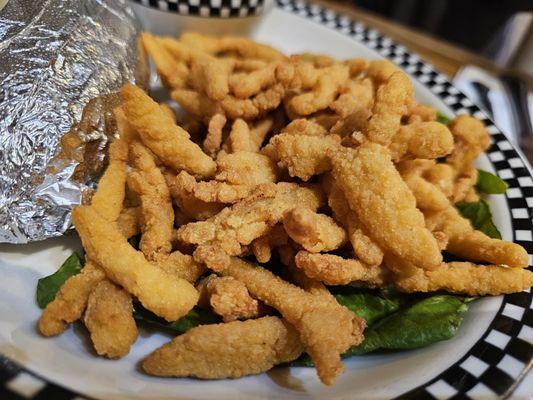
{"x": 494, "y": 365}
{"x": 207, "y": 8}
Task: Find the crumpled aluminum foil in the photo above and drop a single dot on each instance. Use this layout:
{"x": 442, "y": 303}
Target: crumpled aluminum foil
{"x": 55, "y": 56}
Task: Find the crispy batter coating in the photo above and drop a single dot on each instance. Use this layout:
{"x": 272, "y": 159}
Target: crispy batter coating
{"x": 354, "y": 95}
{"x": 109, "y": 197}
{"x": 381, "y": 70}
{"x": 129, "y": 222}
{"x": 213, "y": 140}
{"x": 323, "y": 92}
{"x": 239, "y": 225}
{"x": 239, "y": 138}
{"x": 326, "y": 328}
{"x": 389, "y": 107}
{"x": 246, "y": 168}
{"x": 352, "y": 124}
{"x": 427, "y": 140}
{"x": 180, "y": 265}
{"x": 468, "y": 278}
{"x": 244, "y": 85}
{"x": 384, "y": 204}
{"x": 442, "y": 176}
{"x": 110, "y": 321}
{"x": 161, "y": 293}
{"x": 253, "y": 107}
{"x": 210, "y": 75}
{"x": 302, "y": 126}
{"x": 419, "y": 112}
{"x": 314, "y": 232}
{"x": 196, "y": 103}
{"x": 157, "y": 214}
{"x": 228, "y": 297}
{"x": 229, "y": 350}
{"x": 70, "y": 301}
{"x": 161, "y": 135}
{"x": 302, "y": 155}
{"x": 335, "y": 270}
{"x": 363, "y": 246}
{"x": 262, "y": 246}
{"x": 464, "y": 241}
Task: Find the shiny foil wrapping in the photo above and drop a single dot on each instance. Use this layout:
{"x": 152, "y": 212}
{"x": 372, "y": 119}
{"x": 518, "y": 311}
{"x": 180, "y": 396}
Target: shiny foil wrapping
{"x": 60, "y": 63}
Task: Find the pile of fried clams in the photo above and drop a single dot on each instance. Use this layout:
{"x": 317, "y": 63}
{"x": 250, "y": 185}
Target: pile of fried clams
{"x": 327, "y": 167}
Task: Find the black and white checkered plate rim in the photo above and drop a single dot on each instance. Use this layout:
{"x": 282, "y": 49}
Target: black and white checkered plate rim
{"x": 207, "y": 8}
{"x": 496, "y": 363}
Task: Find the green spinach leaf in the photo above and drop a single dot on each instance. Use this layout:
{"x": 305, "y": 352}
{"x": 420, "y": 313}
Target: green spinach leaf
{"x": 490, "y": 183}
{"x": 368, "y": 306}
{"x": 443, "y": 118}
{"x": 48, "y": 287}
{"x": 480, "y": 216}
{"x": 426, "y": 322}
{"x": 197, "y": 316}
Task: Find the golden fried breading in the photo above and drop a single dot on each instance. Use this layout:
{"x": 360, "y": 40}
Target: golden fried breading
{"x": 172, "y": 72}
{"x": 239, "y": 138}
{"x": 253, "y": 107}
{"x": 384, "y": 204}
{"x": 471, "y": 139}
{"x": 180, "y": 265}
{"x": 302, "y": 126}
{"x": 335, "y": 270}
{"x": 322, "y": 94}
{"x": 157, "y": 214}
{"x": 196, "y": 103}
{"x": 354, "y": 95}
{"x": 262, "y": 246}
{"x": 244, "y": 85}
{"x": 71, "y": 300}
{"x": 213, "y": 139}
{"x": 464, "y": 183}
{"x": 304, "y": 156}
{"x": 418, "y": 112}
{"x": 326, "y": 328}
{"x": 441, "y": 175}
{"x": 229, "y": 350}
{"x": 246, "y": 168}
{"x": 467, "y": 278}
{"x": 464, "y": 241}
{"x": 109, "y": 197}
{"x": 239, "y": 225}
{"x": 380, "y": 71}
{"x": 314, "y": 232}
{"x": 160, "y": 134}
{"x": 129, "y": 222}
{"x": 357, "y": 66}
{"x": 363, "y": 246}
{"x": 389, "y": 107}
{"x": 228, "y": 298}
{"x": 110, "y": 321}
{"x": 210, "y": 75}
{"x": 161, "y": 293}
{"x": 427, "y": 140}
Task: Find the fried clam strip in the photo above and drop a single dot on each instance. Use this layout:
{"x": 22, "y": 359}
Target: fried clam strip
{"x": 389, "y": 106}
{"x": 213, "y": 139}
{"x": 228, "y": 298}
{"x": 467, "y": 278}
{"x": 161, "y": 135}
{"x": 302, "y": 155}
{"x": 210, "y": 75}
{"x": 227, "y": 232}
{"x": 172, "y": 72}
{"x": 428, "y": 196}
{"x": 229, "y": 350}
{"x": 239, "y": 138}
{"x": 335, "y": 270}
{"x": 244, "y": 85}
{"x": 109, "y": 320}
{"x": 129, "y": 222}
{"x": 465, "y": 241}
{"x": 354, "y": 95}
{"x": 71, "y": 300}
{"x": 322, "y": 94}
{"x": 326, "y": 328}
{"x": 418, "y": 112}
{"x": 157, "y": 215}
{"x": 363, "y": 246}
{"x": 314, "y": 232}
{"x": 164, "y": 294}
{"x": 246, "y": 168}
{"x": 426, "y": 140}
{"x": 262, "y": 246}
{"x": 384, "y": 204}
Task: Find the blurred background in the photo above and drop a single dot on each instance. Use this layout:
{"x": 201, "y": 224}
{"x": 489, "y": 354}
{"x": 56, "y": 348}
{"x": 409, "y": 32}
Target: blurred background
{"x": 485, "y": 46}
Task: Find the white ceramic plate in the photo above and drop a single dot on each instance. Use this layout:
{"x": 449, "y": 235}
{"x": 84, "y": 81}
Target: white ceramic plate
{"x": 486, "y": 359}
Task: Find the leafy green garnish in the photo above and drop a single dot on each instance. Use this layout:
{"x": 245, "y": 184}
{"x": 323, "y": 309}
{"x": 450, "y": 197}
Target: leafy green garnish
{"x": 480, "y": 216}
{"x": 442, "y": 118}
{"x": 368, "y": 306}
{"x": 426, "y": 322}
{"x": 197, "y": 316}
{"x": 490, "y": 183}
{"x": 48, "y": 287}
